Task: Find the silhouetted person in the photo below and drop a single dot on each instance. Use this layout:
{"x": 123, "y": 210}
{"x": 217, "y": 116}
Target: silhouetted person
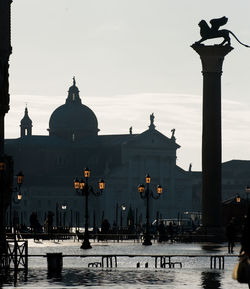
{"x": 162, "y": 232}
{"x": 35, "y": 225}
{"x": 245, "y": 238}
{"x": 231, "y": 235}
{"x": 33, "y": 221}
{"x": 105, "y": 227}
{"x": 50, "y": 223}
{"x": 171, "y": 232}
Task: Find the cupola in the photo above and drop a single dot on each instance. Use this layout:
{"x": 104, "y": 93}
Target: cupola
{"x": 26, "y": 124}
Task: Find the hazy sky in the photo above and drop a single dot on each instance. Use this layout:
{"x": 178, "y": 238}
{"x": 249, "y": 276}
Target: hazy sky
{"x": 130, "y": 58}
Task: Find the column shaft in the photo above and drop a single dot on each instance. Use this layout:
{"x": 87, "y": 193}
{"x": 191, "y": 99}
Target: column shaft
{"x": 212, "y": 58}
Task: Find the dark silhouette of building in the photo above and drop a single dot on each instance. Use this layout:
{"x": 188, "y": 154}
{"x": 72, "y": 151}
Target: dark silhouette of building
{"x": 51, "y": 162}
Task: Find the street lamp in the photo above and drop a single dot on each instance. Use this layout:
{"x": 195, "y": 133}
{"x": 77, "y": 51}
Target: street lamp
{"x": 237, "y": 198}
{"x": 85, "y": 189}
{"x": 16, "y": 198}
{"x": 123, "y": 209}
{"x": 146, "y": 194}
{"x": 64, "y": 207}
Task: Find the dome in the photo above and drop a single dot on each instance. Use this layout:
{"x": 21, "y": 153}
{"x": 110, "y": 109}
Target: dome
{"x": 73, "y": 120}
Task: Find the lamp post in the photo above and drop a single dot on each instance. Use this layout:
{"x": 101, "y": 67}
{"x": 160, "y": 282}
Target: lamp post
{"x": 123, "y": 209}
{"x": 57, "y": 216}
{"x": 16, "y": 198}
{"x": 85, "y": 189}
{"x": 146, "y": 194}
{"x": 237, "y": 198}
{"x": 64, "y": 207}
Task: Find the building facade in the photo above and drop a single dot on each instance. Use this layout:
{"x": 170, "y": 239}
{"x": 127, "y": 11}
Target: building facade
{"x": 51, "y": 162}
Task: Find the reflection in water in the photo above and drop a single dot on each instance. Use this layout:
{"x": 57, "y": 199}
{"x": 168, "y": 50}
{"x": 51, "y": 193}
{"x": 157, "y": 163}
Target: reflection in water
{"x": 211, "y": 247}
{"x": 54, "y": 276}
{"x": 90, "y": 277}
{"x": 99, "y": 277}
{"x": 210, "y": 280}
{"x": 142, "y": 278}
{"x": 12, "y": 278}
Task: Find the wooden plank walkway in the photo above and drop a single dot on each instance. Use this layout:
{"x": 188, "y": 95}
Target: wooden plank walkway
{"x": 217, "y": 261}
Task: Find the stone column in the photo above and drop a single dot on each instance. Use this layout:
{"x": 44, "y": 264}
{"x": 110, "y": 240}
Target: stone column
{"x": 212, "y": 58}
{"x": 5, "y": 51}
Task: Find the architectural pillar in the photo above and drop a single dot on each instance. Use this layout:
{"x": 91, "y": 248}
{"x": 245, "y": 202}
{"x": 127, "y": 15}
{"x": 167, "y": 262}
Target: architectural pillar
{"x": 212, "y": 58}
{"x": 171, "y": 190}
{"x": 5, "y": 51}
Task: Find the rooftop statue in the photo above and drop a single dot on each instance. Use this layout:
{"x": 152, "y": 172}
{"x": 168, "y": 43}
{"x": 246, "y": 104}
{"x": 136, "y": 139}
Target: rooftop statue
{"x": 208, "y": 32}
{"x": 152, "y": 117}
{"x": 173, "y": 132}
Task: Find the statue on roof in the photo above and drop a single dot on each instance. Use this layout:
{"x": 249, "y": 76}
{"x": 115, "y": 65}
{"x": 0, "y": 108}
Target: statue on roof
{"x": 130, "y": 130}
{"x": 173, "y": 132}
{"x": 152, "y": 117}
{"x": 208, "y": 32}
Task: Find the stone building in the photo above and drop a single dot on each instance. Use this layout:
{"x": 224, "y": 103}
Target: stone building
{"x": 51, "y": 162}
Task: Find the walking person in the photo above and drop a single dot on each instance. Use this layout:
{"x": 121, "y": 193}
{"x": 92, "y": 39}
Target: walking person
{"x": 231, "y": 235}
{"x": 162, "y": 232}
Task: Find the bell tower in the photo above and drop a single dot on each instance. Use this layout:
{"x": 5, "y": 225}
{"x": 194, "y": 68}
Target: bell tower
{"x": 26, "y": 125}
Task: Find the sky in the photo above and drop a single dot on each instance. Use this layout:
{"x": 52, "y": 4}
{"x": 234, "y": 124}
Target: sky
{"x": 130, "y": 58}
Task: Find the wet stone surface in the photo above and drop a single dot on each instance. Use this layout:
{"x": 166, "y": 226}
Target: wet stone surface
{"x": 195, "y": 273}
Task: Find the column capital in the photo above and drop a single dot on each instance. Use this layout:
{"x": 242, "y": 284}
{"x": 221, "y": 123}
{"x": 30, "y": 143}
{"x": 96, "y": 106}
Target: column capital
{"x": 212, "y": 56}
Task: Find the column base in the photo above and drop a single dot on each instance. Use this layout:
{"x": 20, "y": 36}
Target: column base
{"x": 85, "y": 243}
{"x": 147, "y": 241}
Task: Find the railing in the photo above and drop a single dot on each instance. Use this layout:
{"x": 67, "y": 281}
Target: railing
{"x": 15, "y": 256}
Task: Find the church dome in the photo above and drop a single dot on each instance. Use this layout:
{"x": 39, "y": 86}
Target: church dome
{"x": 73, "y": 120}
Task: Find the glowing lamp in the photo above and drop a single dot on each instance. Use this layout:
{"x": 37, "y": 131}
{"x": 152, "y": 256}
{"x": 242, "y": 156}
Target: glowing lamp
{"x": 101, "y": 184}
{"x": 19, "y": 196}
{"x": 148, "y": 179}
{"x": 81, "y": 184}
{"x": 20, "y": 178}
{"x": 159, "y": 190}
{"x": 141, "y": 188}
{"x": 76, "y": 184}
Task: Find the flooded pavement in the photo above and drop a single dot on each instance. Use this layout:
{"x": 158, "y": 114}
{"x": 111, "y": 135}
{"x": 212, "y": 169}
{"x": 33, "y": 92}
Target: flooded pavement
{"x": 195, "y": 272}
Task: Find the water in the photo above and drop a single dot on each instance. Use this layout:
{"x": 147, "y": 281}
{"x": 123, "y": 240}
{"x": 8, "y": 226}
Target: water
{"x": 196, "y": 272}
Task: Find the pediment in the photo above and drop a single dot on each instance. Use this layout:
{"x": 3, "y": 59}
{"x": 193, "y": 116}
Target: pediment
{"x": 152, "y": 138}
